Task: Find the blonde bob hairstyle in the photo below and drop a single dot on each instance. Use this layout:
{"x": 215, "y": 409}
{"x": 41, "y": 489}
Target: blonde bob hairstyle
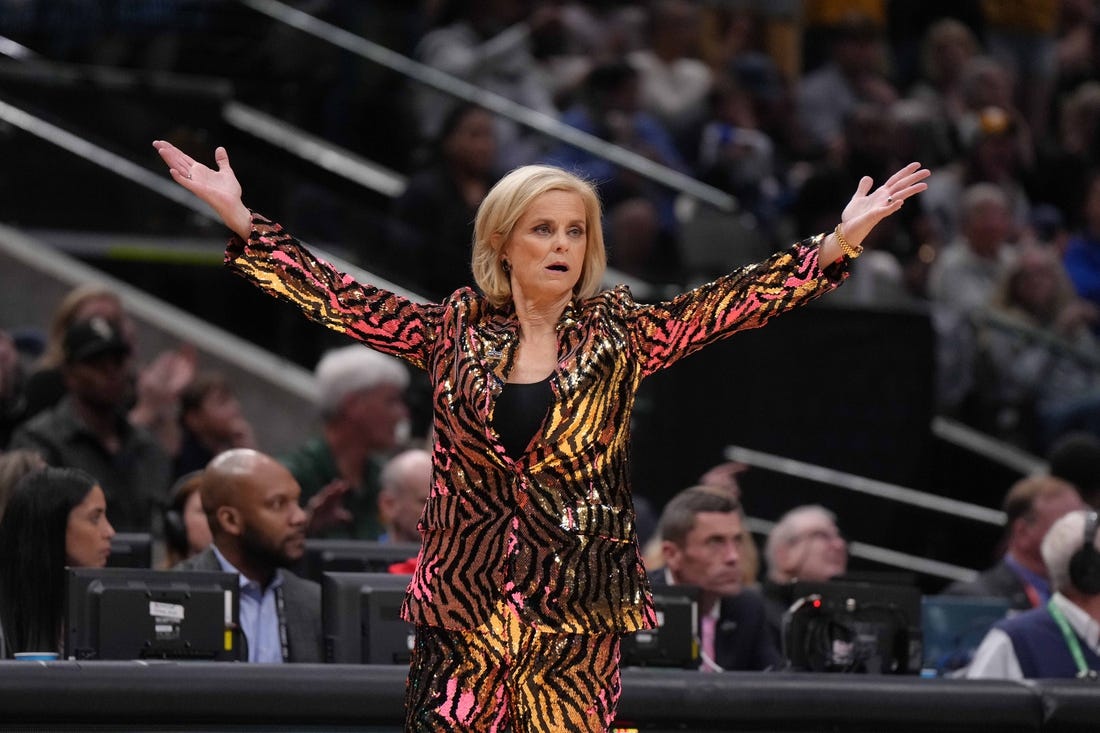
{"x": 503, "y": 206}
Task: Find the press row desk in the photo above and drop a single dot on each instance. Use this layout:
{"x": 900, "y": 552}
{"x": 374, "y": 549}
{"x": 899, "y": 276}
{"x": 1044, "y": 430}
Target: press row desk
{"x": 203, "y": 696}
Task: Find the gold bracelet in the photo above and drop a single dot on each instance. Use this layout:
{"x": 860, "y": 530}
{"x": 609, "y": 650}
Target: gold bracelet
{"x": 846, "y": 246}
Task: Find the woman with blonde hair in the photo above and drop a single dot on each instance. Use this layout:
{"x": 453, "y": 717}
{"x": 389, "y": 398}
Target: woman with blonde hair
{"x": 529, "y": 570}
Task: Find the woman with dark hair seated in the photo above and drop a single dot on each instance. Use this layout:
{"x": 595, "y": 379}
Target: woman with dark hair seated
{"x": 186, "y": 530}
{"x": 56, "y": 517}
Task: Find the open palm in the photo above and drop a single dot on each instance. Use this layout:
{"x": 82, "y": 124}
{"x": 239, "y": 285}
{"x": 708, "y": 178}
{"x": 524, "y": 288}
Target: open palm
{"x": 219, "y": 188}
{"x": 867, "y": 208}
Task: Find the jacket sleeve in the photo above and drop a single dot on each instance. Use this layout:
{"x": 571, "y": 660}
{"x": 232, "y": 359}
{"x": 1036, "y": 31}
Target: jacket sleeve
{"x": 280, "y": 265}
{"x": 746, "y": 298}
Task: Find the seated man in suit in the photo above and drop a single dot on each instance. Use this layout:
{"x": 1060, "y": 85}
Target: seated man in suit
{"x": 251, "y": 502}
{"x": 701, "y": 531}
{"x": 1031, "y": 506}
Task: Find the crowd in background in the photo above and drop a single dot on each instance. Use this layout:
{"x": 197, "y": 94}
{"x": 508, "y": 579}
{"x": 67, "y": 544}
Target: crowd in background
{"x": 780, "y": 104}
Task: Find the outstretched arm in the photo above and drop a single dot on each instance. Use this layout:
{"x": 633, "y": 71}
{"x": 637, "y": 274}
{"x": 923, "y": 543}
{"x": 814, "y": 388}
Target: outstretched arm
{"x": 867, "y": 208}
{"x": 218, "y": 188}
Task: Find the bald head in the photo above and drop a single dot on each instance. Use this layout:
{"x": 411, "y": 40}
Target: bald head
{"x": 805, "y": 544}
{"x": 251, "y": 502}
{"x": 231, "y": 477}
{"x": 406, "y": 480}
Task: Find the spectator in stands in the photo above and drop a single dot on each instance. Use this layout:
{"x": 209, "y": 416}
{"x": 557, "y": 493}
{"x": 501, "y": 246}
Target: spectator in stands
{"x": 1031, "y": 506}
{"x": 186, "y": 531}
{"x": 996, "y": 151}
{"x": 153, "y": 398}
{"x": 1021, "y": 36}
{"x": 405, "y": 481}
{"x": 1075, "y": 457}
{"x": 965, "y": 274}
{"x": 11, "y": 388}
{"x": 1060, "y": 639}
{"x": 673, "y": 82}
{"x": 211, "y": 422}
{"x": 56, "y": 517}
{"x": 360, "y": 395}
{"x": 14, "y": 465}
{"x": 609, "y": 108}
{"x": 489, "y": 44}
{"x": 258, "y": 529}
{"x": 855, "y": 73}
{"x": 450, "y": 186}
{"x": 947, "y": 47}
{"x": 1077, "y": 43}
{"x": 804, "y": 545}
{"x": 701, "y": 536}
{"x": 88, "y": 429}
{"x": 1082, "y": 257}
{"x": 871, "y": 143}
{"x": 735, "y": 155}
{"x": 1038, "y": 359}
{"x": 1064, "y": 165}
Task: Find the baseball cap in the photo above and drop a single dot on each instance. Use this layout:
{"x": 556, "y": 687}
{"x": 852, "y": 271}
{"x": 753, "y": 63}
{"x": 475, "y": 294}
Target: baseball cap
{"x": 93, "y": 337}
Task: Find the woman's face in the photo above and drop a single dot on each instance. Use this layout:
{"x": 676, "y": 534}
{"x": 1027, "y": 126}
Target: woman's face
{"x": 547, "y": 246}
{"x": 88, "y": 533}
{"x": 195, "y": 524}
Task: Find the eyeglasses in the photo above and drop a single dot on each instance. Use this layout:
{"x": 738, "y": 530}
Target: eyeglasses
{"x": 824, "y": 535}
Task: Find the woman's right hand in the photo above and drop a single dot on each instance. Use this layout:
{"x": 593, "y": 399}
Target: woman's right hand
{"x": 218, "y": 188}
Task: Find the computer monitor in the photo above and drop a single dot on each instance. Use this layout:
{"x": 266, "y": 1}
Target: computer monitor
{"x": 131, "y": 550}
{"x": 352, "y": 556}
{"x": 134, "y": 613}
{"x": 840, "y": 626}
{"x": 361, "y": 618}
{"x": 953, "y": 627}
{"x": 675, "y": 641}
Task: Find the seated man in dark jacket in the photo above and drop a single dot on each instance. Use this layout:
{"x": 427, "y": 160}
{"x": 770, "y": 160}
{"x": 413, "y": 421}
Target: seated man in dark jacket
{"x": 1031, "y": 506}
{"x": 700, "y": 530}
{"x": 251, "y": 502}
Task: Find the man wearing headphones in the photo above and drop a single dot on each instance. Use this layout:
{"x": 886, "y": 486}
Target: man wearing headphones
{"x": 1060, "y": 639}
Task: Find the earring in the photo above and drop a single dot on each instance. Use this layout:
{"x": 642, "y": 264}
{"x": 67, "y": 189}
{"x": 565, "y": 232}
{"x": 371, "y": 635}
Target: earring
{"x": 506, "y": 266}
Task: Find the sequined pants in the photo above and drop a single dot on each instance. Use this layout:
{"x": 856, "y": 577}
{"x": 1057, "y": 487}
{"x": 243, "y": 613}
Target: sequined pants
{"x": 506, "y": 673}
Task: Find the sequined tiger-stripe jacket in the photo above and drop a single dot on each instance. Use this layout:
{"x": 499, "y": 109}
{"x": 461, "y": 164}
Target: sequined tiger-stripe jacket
{"x": 551, "y": 534}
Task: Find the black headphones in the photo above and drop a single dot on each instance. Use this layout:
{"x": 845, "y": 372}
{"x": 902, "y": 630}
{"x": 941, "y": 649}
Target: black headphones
{"x": 1084, "y": 566}
{"x": 175, "y": 531}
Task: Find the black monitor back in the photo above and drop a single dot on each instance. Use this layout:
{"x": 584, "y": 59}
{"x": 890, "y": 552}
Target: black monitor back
{"x": 361, "y": 618}
{"x": 131, "y": 550}
{"x": 675, "y": 641}
{"x": 853, "y": 626}
{"x": 352, "y": 556}
{"x": 133, "y": 613}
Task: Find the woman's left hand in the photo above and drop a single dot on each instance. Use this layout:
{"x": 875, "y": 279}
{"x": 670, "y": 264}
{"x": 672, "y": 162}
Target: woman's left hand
{"x": 867, "y": 208}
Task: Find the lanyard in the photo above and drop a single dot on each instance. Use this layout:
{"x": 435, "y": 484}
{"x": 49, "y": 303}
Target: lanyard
{"x": 1083, "y": 671}
{"x": 284, "y": 641}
